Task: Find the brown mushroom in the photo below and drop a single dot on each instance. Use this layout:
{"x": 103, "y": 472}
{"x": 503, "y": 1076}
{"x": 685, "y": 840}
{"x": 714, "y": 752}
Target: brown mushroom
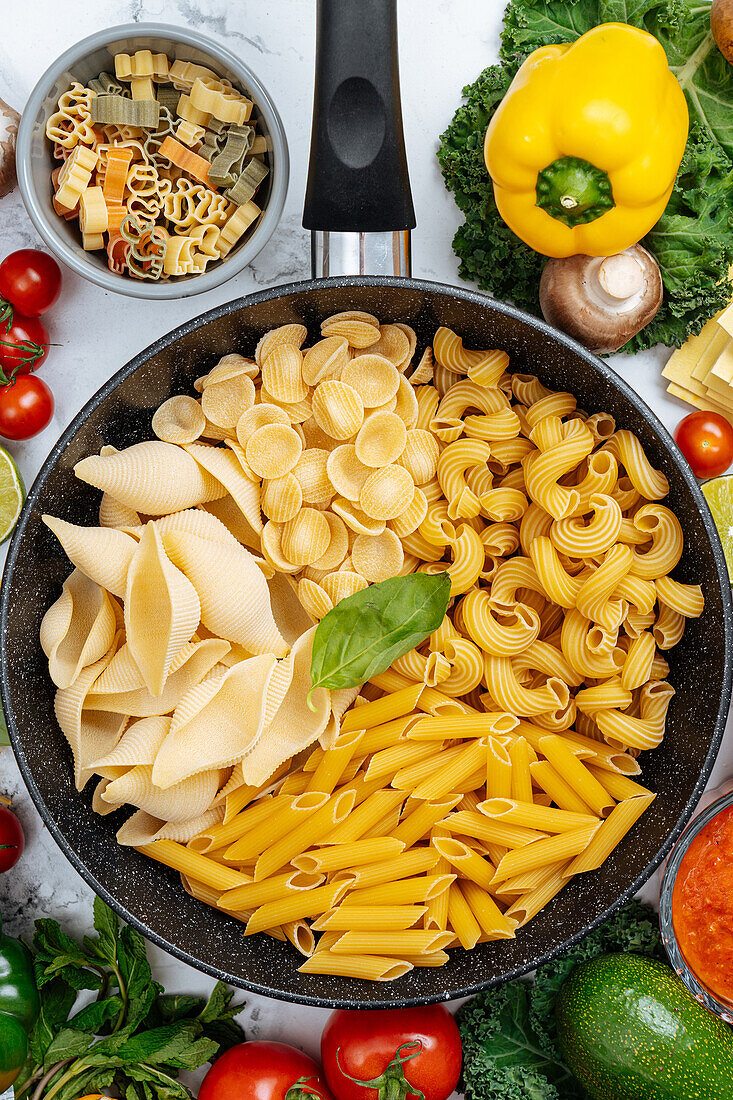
{"x": 721, "y": 24}
{"x": 9, "y": 120}
{"x": 602, "y": 301}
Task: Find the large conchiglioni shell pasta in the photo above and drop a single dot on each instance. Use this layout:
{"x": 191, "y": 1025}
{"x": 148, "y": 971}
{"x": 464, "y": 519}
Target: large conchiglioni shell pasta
{"x": 78, "y": 629}
{"x": 153, "y": 477}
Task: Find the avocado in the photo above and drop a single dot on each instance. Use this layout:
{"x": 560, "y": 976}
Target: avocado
{"x": 629, "y": 1030}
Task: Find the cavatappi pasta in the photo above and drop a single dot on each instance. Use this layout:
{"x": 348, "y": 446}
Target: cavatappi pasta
{"x": 455, "y": 796}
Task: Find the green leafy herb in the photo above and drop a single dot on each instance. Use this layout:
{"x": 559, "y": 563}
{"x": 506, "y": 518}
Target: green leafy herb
{"x": 509, "y": 1042}
{"x": 692, "y": 242}
{"x": 366, "y": 632}
{"x": 133, "y": 1037}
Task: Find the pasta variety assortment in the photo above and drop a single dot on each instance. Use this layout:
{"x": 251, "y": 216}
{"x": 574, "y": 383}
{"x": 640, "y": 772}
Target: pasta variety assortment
{"x": 145, "y": 155}
{"x": 455, "y": 796}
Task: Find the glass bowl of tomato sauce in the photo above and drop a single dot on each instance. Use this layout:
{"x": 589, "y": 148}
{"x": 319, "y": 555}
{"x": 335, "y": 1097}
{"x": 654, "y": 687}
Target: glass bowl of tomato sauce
{"x": 696, "y": 907}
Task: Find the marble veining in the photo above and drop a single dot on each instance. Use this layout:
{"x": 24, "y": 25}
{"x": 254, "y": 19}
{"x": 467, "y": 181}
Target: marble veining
{"x": 97, "y": 332}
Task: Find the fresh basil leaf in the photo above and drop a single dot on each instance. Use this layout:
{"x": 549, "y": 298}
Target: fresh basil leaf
{"x": 366, "y": 632}
{"x": 57, "y": 1000}
{"x": 4, "y": 735}
{"x": 67, "y": 1044}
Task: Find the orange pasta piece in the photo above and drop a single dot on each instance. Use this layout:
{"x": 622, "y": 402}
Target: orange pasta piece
{"x": 115, "y": 177}
{"x": 190, "y": 162}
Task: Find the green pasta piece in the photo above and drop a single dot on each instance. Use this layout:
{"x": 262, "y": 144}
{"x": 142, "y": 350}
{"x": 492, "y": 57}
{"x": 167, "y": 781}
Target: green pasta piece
{"x": 248, "y": 182}
{"x": 227, "y": 166}
{"x": 143, "y": 265}
{"x": 104, "y": 84}
{"x": 212, "y": 145}
{"x": 216, "y": 125}
{"x": 125, "y": 112}
{"x": 168, "y": 96}
{"x": 155, "y": 138}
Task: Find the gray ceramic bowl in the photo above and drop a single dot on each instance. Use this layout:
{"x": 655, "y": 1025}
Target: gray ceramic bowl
{"x": 35, "y": 161}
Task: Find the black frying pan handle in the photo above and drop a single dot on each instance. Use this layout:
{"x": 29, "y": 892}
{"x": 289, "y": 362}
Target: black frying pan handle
{"x": 357, "y": 177}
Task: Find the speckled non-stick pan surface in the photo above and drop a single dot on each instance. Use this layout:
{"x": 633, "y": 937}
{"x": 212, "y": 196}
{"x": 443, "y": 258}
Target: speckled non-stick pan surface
{"x": 149, "y": 895}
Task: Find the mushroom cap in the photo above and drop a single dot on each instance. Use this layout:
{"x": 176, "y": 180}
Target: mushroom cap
{"x": 602, "y": 301}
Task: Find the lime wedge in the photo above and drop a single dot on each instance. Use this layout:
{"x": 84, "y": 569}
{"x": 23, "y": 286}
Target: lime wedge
{"x": 718, "y": 492}
{"x": 12, "y": 494}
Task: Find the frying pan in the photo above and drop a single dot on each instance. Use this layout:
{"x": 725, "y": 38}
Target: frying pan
{"x": 358, "y": 205}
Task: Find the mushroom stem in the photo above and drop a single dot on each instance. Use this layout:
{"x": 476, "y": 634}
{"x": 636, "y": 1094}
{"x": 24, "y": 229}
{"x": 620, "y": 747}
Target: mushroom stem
{"x": 602, "y": 301}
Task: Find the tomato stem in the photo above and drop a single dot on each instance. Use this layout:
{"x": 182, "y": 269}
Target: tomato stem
{"x": 6, "y": 313}
{"x": 391, "y": 1084}
{"x": 301, "y": 1090}
{"x": 32, "y": 352}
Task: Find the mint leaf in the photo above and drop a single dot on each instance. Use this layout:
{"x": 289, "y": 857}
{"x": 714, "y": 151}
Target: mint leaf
{"x": 58, "y": 954}
{"x": 96, "y": 1015}
{"x": 57, "y": 1000}
{"x": 67, "y": 1044}
{"x": 219, "y": 1005}
{"x": 107, "y": 926}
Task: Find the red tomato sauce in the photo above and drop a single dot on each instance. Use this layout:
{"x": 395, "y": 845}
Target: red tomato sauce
{"x": 702, "y": 905}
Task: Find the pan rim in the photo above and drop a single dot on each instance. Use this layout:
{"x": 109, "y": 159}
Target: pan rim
{"x": 282, "y": 291}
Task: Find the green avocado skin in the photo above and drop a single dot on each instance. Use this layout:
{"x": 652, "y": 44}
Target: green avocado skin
{"x": 629, "y": 1030}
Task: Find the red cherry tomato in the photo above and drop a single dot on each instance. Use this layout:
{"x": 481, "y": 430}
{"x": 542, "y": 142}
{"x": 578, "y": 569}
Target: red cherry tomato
{"x": 264, "y": 1071}
{"x": 706, "y": 441}
{"x": 30, "y": 280}
{"x": 26, "y": 407}
{"x": 12, "y": 841}
{"x": 420, "y": 1046}
{"x": 23, "y": 345}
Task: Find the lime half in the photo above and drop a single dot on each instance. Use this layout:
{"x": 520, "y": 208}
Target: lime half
{"x": 12, "y": 494}
{"x": 718, "y": 492}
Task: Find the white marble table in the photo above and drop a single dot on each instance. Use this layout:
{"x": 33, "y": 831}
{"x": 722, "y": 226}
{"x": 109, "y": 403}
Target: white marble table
{"x": 444, "y": 44}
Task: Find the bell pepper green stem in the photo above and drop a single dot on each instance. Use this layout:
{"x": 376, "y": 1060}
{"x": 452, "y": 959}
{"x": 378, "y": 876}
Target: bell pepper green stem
{"x": 391, "y": 1084}
{"x": 574, "y": 191}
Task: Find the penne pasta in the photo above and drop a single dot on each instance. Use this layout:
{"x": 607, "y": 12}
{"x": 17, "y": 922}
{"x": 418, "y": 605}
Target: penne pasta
{"x": 546, "y": 819}
{"x": 410, "y": 942}
{"x": 309, "y": 903}
{"x": 355, "y": 918}
{"x": 623, "y": 816}
{"x": 339, "y": 857}
{"x": 194, "y": 865}
{"x": 372, "y": 968}
{"x": 409, "y": 863}
{"x": 253, "y": 894}
{"x": 542, "y": 852}
{"x": 408, "y": 891}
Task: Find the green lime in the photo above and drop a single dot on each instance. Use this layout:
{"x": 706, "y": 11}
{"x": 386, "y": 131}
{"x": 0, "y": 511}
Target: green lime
{"x": 718, "y": 492}
{"x": 12, "y": 494}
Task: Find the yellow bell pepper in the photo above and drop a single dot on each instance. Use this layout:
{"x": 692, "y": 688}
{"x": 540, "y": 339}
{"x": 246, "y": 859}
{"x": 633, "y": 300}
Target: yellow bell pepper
{"x": 584, "y": 148}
